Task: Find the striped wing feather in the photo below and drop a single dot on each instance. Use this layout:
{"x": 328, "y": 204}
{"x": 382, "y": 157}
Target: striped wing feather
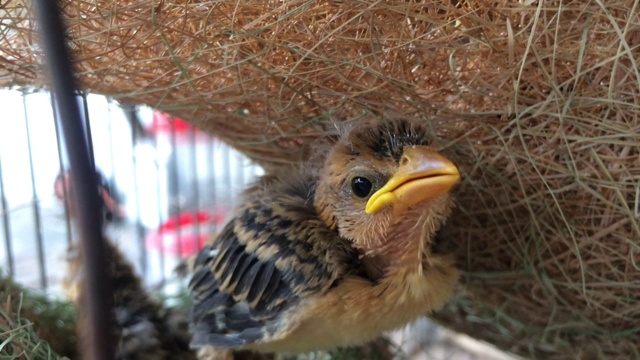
{"x": 264, "y": 262}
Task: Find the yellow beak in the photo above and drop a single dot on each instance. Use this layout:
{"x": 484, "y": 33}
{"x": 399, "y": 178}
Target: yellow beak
{"x": 422, "y": 174}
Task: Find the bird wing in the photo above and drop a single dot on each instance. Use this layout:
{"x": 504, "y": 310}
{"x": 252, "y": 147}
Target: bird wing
{"x": 273, "y": 254}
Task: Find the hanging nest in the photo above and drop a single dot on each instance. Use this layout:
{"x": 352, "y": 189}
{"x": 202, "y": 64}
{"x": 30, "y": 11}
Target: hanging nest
{"x": 537, "y": 101}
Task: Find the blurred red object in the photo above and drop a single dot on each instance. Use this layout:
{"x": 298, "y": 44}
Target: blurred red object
{"x": 185, "y": 234}
{"x": 162, "y": 124}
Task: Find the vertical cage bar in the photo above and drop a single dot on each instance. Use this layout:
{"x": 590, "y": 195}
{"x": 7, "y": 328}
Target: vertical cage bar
{"x": 243, "y": 167}
{"x": 67, "y": 215}
{"x": 213, "y": 227}
{"x": 97, "y": 341}
{"x": 110, "y": 129}
{"x": 196, "y": 187}
{"x": 161, "y": 237}
{"x": 131, "y": 113}
{"x": 174, "y": 185}
{"x": 87, "y": 127}
{"x": 159, "y": 204}
{"x": 37, "y": 220}
{"x": 110, "y": 180}
{"x": 6, "y": 225}
{"x": 228, "y": 175}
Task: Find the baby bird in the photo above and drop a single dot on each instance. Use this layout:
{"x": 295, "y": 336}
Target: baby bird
{"x": 319, "y": 257}
{"x": 144, "y": 328}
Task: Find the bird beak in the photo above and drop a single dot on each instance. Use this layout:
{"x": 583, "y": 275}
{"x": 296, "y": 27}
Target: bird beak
{"x": 422, "y": 174}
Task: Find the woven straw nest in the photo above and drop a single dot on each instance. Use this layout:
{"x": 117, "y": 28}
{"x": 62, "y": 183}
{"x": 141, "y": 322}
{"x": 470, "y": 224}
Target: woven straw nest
{"x": 537, "y": 101}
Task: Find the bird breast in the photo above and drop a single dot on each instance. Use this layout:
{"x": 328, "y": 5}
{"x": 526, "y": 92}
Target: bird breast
{"x": 357, "y": 311}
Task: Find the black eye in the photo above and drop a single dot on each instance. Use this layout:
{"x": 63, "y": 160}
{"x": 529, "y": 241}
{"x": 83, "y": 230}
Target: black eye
{"x": 361, "y": 186}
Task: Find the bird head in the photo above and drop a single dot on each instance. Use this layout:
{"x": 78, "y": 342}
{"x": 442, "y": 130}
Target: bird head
{"x": 384, "y": 187}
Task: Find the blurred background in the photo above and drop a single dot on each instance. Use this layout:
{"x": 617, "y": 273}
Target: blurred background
{"x": 164, "y": 191}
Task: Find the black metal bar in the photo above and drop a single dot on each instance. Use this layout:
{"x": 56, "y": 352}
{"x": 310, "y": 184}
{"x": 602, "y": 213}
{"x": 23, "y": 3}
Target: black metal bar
{"x": 97, "y": 342}
{"x": 35, "y": 202}
{"x": 67, "y": 214}
{"x": 6, "y": 225}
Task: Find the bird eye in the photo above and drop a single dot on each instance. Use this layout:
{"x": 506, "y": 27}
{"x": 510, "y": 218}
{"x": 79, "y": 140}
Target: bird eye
{"x": 361, "y": 186}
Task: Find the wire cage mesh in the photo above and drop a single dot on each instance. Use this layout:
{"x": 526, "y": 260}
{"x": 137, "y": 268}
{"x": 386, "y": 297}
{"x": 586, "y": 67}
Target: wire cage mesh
{"x": 166, "y": 186}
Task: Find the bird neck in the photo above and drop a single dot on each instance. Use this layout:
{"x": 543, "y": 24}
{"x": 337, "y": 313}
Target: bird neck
{"x": 405, "y": 246}
{"x": 409, "y": 237}
{"x": 410, "y": 242}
